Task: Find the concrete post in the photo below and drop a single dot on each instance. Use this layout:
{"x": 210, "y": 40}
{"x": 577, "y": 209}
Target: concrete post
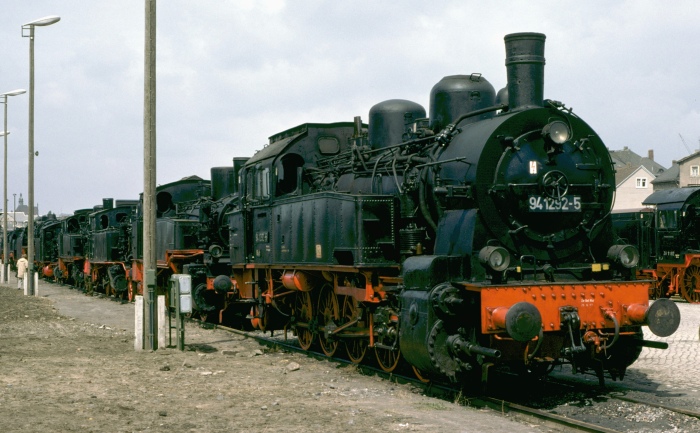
{"x": 162, "y": 323}
{"x": 138, "y": 323}
{"x": 149, "y": 176}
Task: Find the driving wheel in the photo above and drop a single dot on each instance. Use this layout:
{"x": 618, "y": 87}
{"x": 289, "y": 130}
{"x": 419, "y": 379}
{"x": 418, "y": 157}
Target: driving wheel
{"x": 690, "y": 286}
{"x": 328, "y": 317}
{"x": 356, "y": 348}
{"x": 388, "y": 359}
{"x": 303, "y": 311}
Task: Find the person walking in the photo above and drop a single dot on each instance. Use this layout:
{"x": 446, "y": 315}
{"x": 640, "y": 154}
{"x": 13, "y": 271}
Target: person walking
{"x": 22, "y": 265}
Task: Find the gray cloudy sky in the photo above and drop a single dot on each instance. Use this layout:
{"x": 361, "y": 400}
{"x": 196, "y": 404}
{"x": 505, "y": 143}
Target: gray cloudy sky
{"x": 233, "y": 73}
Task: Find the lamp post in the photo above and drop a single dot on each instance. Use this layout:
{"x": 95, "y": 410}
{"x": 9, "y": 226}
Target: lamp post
{"x": 6, "y": 268}
{"x": 28, "y": 32}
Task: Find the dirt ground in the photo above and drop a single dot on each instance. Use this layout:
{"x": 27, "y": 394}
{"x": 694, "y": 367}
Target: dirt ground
{"x": 61, "y": 374}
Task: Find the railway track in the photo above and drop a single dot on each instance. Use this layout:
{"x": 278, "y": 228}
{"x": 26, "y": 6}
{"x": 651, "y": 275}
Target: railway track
{"x": 505, "y": 406}
{"x": 677, "y": 410}
{"x": 474, "y": 399}
{"x": 605, "y": 410}
{"x": 516, "y": 407}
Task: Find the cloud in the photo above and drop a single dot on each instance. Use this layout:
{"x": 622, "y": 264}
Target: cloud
{"x": 231, "y": 74}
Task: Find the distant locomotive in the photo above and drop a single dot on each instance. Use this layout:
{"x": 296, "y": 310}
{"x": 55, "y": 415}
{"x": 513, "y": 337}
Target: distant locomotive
{"x": 667, "y": 234}
{"x": 107, "y": 248}
{"x": 179, "y": 240}
{"x": 48, "y": 229}
{"x": 477, "y": 235}
{"x": 71, "y": 249}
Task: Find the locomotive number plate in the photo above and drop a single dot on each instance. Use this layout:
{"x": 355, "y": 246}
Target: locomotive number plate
{"x": 568, "y": 203}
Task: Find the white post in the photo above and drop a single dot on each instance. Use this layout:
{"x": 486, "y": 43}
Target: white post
{"x": 138, "y": 323}
{"x": 2, "y": 272}
{"x": 24, "y": 281}
{"x": 36, "y": 284}
{"x": 162, "y": 329}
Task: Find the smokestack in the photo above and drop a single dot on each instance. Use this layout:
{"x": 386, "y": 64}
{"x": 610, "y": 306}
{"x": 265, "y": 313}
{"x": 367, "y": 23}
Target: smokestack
{"x": 651, "y": 154}
{"x": 525, "y": 68}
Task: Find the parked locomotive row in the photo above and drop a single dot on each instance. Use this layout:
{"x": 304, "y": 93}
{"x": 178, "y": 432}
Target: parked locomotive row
{"x": 474, "y": 236}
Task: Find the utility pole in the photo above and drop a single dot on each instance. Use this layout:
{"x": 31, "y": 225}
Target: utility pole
{"x": 149, "y": 179}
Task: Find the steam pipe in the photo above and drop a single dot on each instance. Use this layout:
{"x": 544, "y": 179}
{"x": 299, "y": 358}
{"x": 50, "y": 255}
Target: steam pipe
{"x": 617, "y": 330}
{"x": 357, "y": 121}
{"x": 458, "y": 344}
{"x": 651, "y": 344}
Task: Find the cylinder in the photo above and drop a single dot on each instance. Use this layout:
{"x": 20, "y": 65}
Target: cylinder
{"x": 296, "y": 280}
{"x": 525, "y": 69}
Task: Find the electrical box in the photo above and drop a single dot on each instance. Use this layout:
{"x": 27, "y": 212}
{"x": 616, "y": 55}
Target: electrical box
{"x": 182, "y": 292}
{"x": 186, "y": 303}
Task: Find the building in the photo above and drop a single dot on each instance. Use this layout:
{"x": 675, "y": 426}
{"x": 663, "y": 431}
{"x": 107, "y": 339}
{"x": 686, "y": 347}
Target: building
{"x": 684, "y": 172}
{"x": 634, "y": 175}
{"x": 669, "y": 179}
{"x": 23, "y": 208}
{"x": 689, "y": 170}
{"x": 18, "y": 217}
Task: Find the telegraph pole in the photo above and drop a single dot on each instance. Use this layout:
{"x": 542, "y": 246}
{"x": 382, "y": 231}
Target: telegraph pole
{"x": 149, "y": 180}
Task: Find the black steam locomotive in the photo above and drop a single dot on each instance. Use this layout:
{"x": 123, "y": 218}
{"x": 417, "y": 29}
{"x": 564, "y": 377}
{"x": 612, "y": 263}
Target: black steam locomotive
{"x": 667, "y": 232}
{"x": 476, "y": 235}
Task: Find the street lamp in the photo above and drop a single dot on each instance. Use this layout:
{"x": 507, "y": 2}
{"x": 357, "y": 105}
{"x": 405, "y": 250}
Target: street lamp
{"x": 6, "y": 268}
{"x": 28, "y": 32}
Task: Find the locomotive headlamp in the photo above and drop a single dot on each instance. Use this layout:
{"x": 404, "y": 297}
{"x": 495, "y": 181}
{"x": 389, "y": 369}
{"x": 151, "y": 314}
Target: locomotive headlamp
{"x": 216, "y": 251}
{"x": 558, "y": 132}
{"x": 625, "y": 255}
{"x": 496, "y": 258}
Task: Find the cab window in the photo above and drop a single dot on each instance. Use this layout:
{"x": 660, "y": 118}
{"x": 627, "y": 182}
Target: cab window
{"x": 287, "y": 173}
{"x": 262, "y": 183}
{"x": 667, "y": 219}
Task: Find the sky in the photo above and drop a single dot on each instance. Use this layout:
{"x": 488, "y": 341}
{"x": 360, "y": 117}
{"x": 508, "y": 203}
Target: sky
{"x": 232, "y": 73}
